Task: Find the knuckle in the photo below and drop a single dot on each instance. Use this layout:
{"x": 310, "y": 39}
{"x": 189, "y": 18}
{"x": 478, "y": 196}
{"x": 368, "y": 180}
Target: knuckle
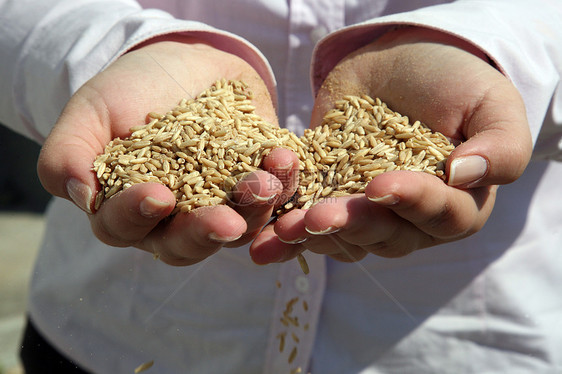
{"x": 444, "y": 216}
{"x": 105, "y": 233}
{"x": 402, "y": 240}
{"x": 447, "y": 223}
{"x": 127, "y": 232}
{"x": 389, "y": 250}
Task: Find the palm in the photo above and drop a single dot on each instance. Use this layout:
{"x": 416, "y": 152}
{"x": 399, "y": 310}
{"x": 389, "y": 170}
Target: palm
{"x": 145, "y": 80}
{"x": 452, "y": 91}
{"x": 153, "y": 78}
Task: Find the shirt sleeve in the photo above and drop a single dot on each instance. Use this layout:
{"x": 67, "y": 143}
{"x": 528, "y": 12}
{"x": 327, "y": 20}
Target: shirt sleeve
{"x": 522, "y": 38}
{"x": 51, "y": 47}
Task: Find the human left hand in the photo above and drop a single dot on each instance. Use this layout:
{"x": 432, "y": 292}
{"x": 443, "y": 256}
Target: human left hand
{"x": 452, "y": 89}
{"x": 152, "y": 77}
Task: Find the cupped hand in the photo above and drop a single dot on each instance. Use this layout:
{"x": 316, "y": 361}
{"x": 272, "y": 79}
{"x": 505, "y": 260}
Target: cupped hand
{"x": 450, "y": 86}
{"x": 154, "y": 78}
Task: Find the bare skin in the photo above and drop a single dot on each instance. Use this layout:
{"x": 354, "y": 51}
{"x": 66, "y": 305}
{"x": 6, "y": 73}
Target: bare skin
{"x": 453, "y": 90}
{"x": 449, "y": 87}
{"x": 139, "y": 82}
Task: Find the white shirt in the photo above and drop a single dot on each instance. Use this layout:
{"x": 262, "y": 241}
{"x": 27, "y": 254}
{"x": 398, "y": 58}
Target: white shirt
{"x": 491, "y": 303}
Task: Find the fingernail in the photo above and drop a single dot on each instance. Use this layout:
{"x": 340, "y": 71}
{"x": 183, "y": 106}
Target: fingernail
{"x": 80, "y": 194}
{"x": 151, "y": 208}
{"x": 466, "y": 170}
{"x": 294, "y": 241}
{"x": 329, "y": 230}
{"x": 390, "y": 199}
{"x": 213, "y": 236}
{"x": 263, "y": 199}
{"x": 284, "y": 167}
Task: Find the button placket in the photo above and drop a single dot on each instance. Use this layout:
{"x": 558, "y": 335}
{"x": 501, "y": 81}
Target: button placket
{"x": 309, "y": 21}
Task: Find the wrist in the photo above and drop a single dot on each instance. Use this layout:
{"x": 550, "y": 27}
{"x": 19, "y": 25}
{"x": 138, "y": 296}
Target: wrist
{"x": 415, "y": 34}
{"x": 225, "y": 42}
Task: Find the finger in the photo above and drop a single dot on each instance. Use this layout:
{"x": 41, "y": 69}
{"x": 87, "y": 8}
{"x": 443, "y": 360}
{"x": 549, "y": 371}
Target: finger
{"x": 499, "y": 142}
{"x": 246, "y": 238}
{"x": 361, "y": 224}
{"x": 283, "y": 164}
{"x": 126, "y": 218}
{"x": 257, "y": 189}
{"x": 267, "y": 248}
{"x": 253, "y": 199}
{"x": 65, "y": 162}
{"x": 291, "y": 228}
{"x": 329, "y": 215}
{"x": 352, "y": 218}
{"x": 335, "y": 247}
{"x": 452, "y": 89}
{"x": 439, "y": 210}
{"x": 189, "y": 238}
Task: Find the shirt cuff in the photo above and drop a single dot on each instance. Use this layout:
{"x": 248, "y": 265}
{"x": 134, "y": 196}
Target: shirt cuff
{"x": 66, "y": 52}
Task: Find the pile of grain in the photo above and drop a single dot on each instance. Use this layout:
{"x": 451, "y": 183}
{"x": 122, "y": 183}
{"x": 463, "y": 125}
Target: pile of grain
{"x": 359, "y": 139}
{"x": 204, "y": 146}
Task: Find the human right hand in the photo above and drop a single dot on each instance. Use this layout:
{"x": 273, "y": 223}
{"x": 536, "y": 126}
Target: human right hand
{"x": 153, "y": 78}
{"x": 448, "y": 84}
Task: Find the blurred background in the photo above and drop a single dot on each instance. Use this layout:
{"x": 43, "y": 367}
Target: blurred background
{"x": 22, "y": 204}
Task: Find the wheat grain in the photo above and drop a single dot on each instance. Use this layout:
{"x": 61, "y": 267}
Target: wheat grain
{"x": 303, "y": 264}
{"x": 281, "y": 337}
{"x": 204, "y": 146}
{"x": 292, "y": 355}
{"x": 144, "y": 367}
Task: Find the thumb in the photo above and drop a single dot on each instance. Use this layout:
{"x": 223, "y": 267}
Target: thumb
{"x": 65, "y": 163}
{"x": 499, "y": 144}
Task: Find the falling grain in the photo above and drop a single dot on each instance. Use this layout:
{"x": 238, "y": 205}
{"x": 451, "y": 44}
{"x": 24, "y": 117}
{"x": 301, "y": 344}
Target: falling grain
{"x": 293, "y": 355}
{"x": 303, "y": 264}
{"x": 144, "y": 367}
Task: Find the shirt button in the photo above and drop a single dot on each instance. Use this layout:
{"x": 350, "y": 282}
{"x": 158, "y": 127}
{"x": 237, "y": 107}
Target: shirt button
{"x": 317, "y": 33}
{"x": 302, "y": 284}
